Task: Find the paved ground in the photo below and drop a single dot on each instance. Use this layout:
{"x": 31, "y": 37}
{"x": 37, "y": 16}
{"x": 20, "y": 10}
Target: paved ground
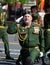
{"x": 14, "y": 50}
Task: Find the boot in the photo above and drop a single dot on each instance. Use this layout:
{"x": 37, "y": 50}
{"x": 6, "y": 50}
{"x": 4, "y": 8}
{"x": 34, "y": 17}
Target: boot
{"x": 17, "y": 62}
{"x": 48, "y": 55}
{"x": 43, "y": 62}
{"x": 9, "y": 58}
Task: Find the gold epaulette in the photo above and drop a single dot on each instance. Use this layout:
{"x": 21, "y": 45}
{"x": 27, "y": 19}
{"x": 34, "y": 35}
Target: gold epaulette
{"x": 48, "y": 29}
{"x": 2, "y": 27}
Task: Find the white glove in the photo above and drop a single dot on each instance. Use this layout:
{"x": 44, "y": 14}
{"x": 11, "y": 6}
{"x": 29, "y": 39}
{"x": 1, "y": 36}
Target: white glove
{"x": 5, "y": 7}
{"x": 19, "y": 19}
{"x": 41, "y": 54}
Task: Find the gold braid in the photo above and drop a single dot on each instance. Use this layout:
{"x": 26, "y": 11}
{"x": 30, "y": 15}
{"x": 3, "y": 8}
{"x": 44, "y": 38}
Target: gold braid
{"x": 2, "y": 17}
{"x": 20, "y": 35}
{"x": 21, "y": 38}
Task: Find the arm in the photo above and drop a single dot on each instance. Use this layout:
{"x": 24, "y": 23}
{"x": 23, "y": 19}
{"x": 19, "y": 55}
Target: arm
{"x": 5, "y": 7}
{"x": 12, "y": 28}
{"x": 41, "y": 40}
{"x": 19, "y": 19}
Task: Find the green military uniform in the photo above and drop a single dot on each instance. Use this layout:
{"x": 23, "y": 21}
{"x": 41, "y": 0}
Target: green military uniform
{"x": 29, "y": 41}
{"x": 3, "y": 2}
{"x": 3, "y": 33}
{"x": 47, "y": 31}
{"x": 37, "y": 17}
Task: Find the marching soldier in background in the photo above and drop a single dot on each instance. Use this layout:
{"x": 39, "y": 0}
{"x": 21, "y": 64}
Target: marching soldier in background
{"x": 47, "y": 29}
{"x": 3, "y": 33}
{"x": 37, "y": 17}
{"x": 28, "y": 35}
{"x": 47, "y": 32}
{"x": 35, "y": 14}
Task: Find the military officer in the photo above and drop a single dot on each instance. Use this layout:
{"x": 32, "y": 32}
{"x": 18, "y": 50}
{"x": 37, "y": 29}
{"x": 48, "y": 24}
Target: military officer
{"x": 46, "y": 27}
{"x": 47, "y": 32}
{"x": 3, "y": 33}
{"x": 37, "y": 17}
{"x": 35, "y": 14}
{"x": 28, "y": 35}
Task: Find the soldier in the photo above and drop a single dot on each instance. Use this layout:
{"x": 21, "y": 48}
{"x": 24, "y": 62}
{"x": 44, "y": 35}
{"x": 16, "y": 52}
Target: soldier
{"x": 37, "y": 17}
{"x": 46, "y": 26}
{"x": 3, "y": 33}
{"x": 35, "y": 14}
{"x": 46, "y": 38}
{"x": 28, "y": 35}
{"x": 47, "y": 32}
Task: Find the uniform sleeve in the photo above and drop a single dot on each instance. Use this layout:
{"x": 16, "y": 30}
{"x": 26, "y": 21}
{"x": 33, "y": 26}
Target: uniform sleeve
{"x": 12, "y": 28}
{"x": 41, "y": 40}
{"x": 4, "y": 17}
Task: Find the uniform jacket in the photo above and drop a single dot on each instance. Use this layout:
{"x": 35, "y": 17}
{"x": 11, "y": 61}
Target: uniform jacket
{"x": 28, "y": 37}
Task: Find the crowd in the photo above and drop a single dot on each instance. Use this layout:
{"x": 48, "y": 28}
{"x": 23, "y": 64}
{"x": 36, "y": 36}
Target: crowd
{"x": 33, "y": 28}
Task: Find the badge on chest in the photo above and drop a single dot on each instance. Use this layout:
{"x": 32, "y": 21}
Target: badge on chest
{"x": 36, "y": 29}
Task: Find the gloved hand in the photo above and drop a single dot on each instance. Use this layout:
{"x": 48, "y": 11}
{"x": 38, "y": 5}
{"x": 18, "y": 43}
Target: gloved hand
{"x": 5, "y": 7}
{"x": 19, "y": 19}
{"x": 41, "y": 54}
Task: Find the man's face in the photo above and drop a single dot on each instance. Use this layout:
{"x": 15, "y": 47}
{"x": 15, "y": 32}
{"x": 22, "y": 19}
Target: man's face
{"x": 18, "y": 4}
{"x": 34, "y": 10}
{"x": 27, "y": 18}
